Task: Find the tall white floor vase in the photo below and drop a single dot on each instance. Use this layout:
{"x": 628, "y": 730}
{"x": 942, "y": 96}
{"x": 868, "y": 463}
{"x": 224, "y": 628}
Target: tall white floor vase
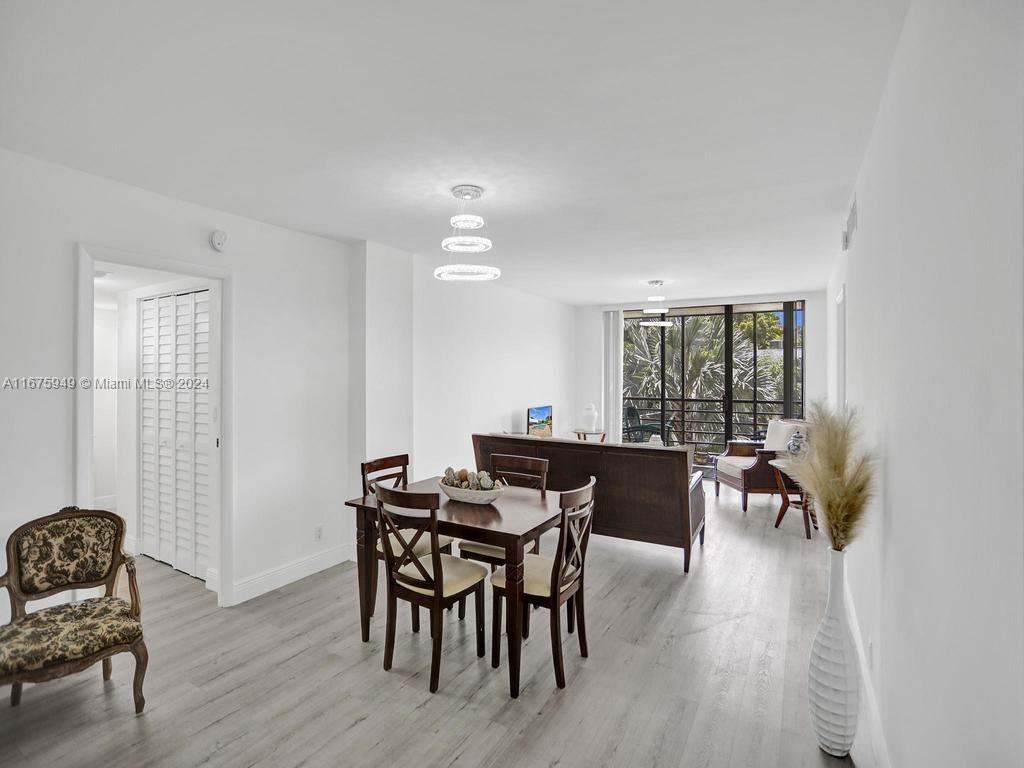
{"x": 833, "y": 684}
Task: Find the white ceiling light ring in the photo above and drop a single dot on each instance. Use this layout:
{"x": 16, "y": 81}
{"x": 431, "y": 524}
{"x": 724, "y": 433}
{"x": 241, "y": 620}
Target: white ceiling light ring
{"x": 466, "y": 221}
{"x": 466, "y": 244}
{"x": 656, "y": 323}
{"x": 655, "y": 299}
{"x": 654, "y": 310}
{"x": 467, "y": 272}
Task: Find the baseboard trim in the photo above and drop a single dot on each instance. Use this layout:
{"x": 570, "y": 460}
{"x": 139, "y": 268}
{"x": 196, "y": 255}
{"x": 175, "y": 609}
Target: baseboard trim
{"x": 275, "y": 578}
{"x": 212, "y": 580}
{"x": 881, "y": 747}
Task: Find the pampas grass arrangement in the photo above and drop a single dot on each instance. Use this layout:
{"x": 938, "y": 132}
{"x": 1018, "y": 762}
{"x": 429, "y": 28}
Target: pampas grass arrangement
{"x": 837, "y": 472}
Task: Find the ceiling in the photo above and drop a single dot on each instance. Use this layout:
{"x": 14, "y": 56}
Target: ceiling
{"x": 713, "y": 144}
{"x": 111, "y": 279}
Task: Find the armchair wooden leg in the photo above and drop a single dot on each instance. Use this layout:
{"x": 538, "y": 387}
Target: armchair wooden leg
{"x": 496, "y": 629}
{"x": 718, "y": 487}
{"x": 481, "y": 649}
{"x": 702, "y": 528}
{"x": 415, "y": 610}
{"x": 108, "y": 668}
{"x": 141, "y": 655}
{"x": 435, "y": 657}
{"x": 744, "y": 501}
{"x": 582, "y": 634}
{"x": 556, "y": 645}
{"x": 16, "y": 693}
{"x": 389, "y": 631}
{"x": 570, "y": 618}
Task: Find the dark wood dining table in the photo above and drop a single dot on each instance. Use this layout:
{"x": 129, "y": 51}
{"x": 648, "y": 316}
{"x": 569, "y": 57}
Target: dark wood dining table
{"x": 513, "y": 521}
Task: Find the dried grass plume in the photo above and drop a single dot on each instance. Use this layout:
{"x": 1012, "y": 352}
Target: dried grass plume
{"x": 837, "y": 472}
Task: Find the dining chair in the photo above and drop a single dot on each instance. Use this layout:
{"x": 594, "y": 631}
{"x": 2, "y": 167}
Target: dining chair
{"x": 433, "y": 580}
{"x": 522, "y": 471}
{"x": 550, "y": 582}
{"x": 394, "y": 471}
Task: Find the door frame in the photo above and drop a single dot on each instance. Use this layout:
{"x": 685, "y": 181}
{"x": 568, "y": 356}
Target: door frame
{"x": 88, "y": 256}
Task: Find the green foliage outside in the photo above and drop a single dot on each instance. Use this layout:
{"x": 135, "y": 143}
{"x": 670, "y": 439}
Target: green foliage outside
{"x": 695, "y": 369}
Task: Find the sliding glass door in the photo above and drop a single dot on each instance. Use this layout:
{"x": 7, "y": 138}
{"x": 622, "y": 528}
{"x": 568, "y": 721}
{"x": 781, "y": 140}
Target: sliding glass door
{"x": 707, "y": 375}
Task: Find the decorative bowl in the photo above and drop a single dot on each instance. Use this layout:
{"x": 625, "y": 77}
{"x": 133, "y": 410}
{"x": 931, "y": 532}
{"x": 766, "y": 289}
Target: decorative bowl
{"x": 470, "y": 496}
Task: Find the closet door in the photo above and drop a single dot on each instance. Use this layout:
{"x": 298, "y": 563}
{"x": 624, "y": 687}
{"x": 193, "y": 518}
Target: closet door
{"x": 176, "y": 430}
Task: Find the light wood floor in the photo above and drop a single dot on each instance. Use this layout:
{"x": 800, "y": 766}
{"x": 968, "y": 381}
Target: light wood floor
{"x": 707, "y": 669}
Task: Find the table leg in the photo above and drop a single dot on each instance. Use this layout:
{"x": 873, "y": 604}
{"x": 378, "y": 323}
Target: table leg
{"x": 780, "y": 481}
{"x": 366, "y": 558}
{"x": 514, "y": 621}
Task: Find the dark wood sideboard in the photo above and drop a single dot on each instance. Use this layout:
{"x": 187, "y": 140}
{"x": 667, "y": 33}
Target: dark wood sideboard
{"x": 643, "y": 493}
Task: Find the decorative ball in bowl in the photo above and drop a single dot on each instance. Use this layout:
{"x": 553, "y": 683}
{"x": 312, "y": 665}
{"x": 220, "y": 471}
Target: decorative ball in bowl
{"x": 470, "y": 487}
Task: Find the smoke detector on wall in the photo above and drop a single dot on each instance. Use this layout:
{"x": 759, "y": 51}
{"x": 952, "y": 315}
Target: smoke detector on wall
{"x": 219, "y": 240}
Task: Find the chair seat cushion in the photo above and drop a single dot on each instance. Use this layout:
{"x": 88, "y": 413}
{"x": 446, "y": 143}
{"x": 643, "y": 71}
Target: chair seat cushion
{"x": 65, "y": 633}
{"x": 488, "y": 550}
{"x": 421, "y": 547}
{"x": 536, "y": 576}
{"x": 457, "y": 574}
{"x": 733, "y": 466}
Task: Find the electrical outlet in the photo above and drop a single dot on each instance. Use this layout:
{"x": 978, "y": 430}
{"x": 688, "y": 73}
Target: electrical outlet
{"x": 318, "y": 532}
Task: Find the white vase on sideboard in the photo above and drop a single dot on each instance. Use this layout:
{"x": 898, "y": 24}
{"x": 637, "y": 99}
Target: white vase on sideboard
{"x": 590, "y": 417}
{"x": 833, "y": 685}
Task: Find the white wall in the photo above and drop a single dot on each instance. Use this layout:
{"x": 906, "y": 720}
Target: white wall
{"x": 104, "y": 439}
{"x": 289, "y": 367}
{"x": 483, "y": 354}
{"x": 381, "y": 358}
{"x": 934, "y": 363}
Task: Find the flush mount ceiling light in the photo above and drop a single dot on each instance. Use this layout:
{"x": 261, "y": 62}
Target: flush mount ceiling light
{"x": 466, "y": 221}
{"x": 469, "y": 272}
{"x": 655, "y": 298}
{"x": 459, "y": 243}
{"x": 656, "y": 323}
{"x": 654, "y": 310}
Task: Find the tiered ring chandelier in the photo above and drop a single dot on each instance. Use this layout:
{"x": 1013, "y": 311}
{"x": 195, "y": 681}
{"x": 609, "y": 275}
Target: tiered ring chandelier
{"x": 459, "y": 242}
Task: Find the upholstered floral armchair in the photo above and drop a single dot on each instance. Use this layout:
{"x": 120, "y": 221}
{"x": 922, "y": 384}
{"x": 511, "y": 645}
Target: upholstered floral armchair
{"x": 73, "y": 549}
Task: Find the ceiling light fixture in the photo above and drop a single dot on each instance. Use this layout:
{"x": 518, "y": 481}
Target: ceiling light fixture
{"x": 469, "y": 272}
{"x": 654, "y": 310}
{"x": 467, "y": 221}
{"x": 656, "y": 323}
{"x": 459, "y": 243}
{"x": 466, "y": 244}
{"x": 655, "y": 298}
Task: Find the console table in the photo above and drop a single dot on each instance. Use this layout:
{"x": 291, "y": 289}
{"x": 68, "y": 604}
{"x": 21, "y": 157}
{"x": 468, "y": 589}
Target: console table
{"x": 643, "y": 493}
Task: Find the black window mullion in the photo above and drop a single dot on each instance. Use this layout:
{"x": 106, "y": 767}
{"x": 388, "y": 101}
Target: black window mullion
{"x": 788, "y": 353}
{"x": 727, "y": 399}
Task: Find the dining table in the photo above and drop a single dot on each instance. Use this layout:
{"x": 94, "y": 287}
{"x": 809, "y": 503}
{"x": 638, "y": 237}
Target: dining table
{"x": 512, "y": 521}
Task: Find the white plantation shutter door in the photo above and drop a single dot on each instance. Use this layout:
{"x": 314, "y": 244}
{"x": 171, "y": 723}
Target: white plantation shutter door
{"x": 175, "y": 445}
